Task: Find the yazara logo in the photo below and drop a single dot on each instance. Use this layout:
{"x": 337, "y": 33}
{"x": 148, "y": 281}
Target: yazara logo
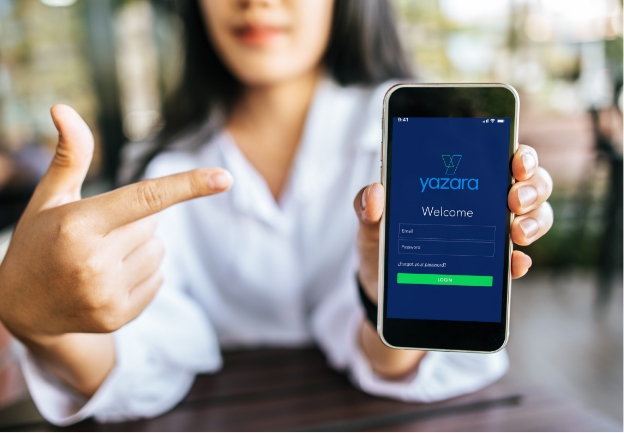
{"x": 451, "y": 162}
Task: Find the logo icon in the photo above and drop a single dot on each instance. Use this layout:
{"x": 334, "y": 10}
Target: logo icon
{"x": 451, "y": 162}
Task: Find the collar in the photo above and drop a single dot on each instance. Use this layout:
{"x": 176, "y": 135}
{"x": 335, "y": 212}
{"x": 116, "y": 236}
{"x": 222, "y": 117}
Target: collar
{"x": 341, "y": 122}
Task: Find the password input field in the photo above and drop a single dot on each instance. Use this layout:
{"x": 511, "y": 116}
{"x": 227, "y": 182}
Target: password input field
{"x": 443, "y": 232}
{"x": 446, "y": 248}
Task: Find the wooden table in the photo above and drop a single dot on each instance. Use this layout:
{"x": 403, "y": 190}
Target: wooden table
{"x": 281, "y": 389}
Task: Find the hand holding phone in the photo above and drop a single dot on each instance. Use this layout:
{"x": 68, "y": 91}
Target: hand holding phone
{"x": 422, "y": 303}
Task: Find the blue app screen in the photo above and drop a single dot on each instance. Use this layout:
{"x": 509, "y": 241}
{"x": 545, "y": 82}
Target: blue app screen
{"x": 447, "y": 218}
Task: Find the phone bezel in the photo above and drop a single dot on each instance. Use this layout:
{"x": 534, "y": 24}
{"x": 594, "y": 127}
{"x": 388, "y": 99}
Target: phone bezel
{"x": 443, "y": 335}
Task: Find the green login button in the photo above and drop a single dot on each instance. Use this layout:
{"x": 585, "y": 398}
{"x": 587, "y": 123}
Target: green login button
{"x": 445, "y": 280}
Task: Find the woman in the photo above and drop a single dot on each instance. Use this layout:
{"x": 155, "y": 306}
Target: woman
{"x": 286, "y": 97}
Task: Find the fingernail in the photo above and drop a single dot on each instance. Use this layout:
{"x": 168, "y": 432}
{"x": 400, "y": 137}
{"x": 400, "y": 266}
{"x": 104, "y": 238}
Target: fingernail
{"x": 529, "y": 226}
{"x": 364, "y": 196}
{"x": 528, "y": 161}
{"x": 220, "y": 180}
{"x": 527, "y": 195}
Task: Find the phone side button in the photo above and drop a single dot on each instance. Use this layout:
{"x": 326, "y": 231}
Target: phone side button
{"x": 381, "y": 143}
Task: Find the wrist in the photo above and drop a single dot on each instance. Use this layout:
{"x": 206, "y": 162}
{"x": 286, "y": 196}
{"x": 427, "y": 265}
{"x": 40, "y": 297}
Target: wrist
{"x": 369, "y": 283}
{"x": 40, "y": 343}
{"x": 80, "y": 360}
{"x": 386, "y": 361}
{"x": 370, "y": 308}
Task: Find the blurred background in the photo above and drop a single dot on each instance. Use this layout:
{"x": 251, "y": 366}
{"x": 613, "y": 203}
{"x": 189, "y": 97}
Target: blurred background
{"x": 116, "y": 60}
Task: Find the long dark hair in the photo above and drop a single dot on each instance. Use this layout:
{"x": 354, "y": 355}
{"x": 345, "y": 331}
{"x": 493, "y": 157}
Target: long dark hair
{"x": 363, "y": 48}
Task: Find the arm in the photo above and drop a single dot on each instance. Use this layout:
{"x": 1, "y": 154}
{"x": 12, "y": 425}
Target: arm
{"x": 83, "y": 361}
{"x": 336, "y": 322}
{"x": 527, "y": 200}
{"x": 157, "y": 357}
{"x": 385, "y": 361}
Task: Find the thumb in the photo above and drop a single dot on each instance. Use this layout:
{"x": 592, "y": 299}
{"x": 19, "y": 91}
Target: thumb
{"x": 369, "y": 204}
{"x": 62, "y": 182}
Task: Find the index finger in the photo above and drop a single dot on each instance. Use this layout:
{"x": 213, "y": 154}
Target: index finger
{"x": 139, "y": 200}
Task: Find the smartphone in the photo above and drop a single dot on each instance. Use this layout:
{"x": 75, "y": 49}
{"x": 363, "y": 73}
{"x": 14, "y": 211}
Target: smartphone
{"x": 445, "y": 248}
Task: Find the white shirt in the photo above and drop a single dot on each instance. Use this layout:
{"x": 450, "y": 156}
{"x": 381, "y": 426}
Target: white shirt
{"x": 242, "y": 270}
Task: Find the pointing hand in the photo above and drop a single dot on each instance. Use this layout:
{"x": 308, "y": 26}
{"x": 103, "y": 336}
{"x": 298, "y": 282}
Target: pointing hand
{"x": 88, "y": 265}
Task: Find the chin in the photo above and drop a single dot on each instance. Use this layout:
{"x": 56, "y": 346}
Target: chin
{"x": 265, "y": 78}
{"x": 268, "y": 71}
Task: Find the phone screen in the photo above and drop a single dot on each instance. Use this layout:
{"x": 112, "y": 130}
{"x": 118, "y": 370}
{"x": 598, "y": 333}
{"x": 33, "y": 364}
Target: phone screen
{"x": 447, "y": 224}
{"x": 445, "y": 250}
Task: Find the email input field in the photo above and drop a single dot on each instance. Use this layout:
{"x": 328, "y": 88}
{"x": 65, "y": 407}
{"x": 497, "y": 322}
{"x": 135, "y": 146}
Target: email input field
{"x": 447, "y": 232}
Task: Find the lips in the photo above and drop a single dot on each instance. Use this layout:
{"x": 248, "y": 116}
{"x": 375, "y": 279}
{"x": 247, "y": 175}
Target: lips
{"x": 256, "y": 35}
